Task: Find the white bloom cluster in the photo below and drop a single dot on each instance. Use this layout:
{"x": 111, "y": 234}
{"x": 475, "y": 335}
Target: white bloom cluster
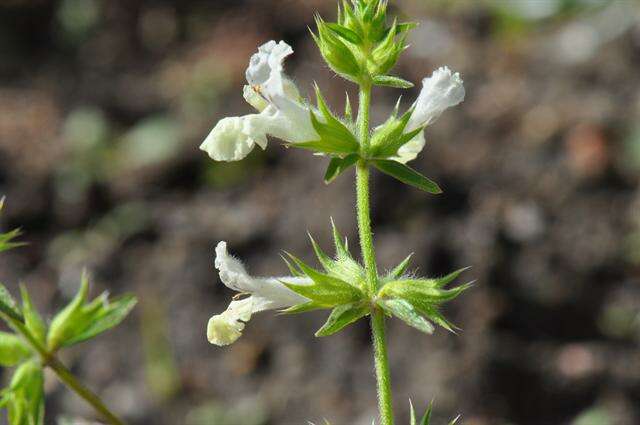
{"x": 284, "y": 114}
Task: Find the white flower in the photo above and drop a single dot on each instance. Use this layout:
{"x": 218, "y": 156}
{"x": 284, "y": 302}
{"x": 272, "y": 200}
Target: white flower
{"x": 440, "y": 92}
{"x": 265, "y": 293}
{"x": 282, "y": 112}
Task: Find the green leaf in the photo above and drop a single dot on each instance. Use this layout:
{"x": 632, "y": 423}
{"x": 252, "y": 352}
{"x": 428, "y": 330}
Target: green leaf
{"x": 80, "y": 321}
{"x": 338, "y": 166}
{"x": 26, "y": 395}
{"x": 407, "y": 175}
{"x": 391, "y": 81}
{"x": 66, "y": 323}
{"x": 13, "y": 350}
{"x": 342, "y": 316}
{"x": 8, "y": 305}
{"x": 110, "y": 314}
{"x": 404, "y": 311}
{"x": 32, "y": 319}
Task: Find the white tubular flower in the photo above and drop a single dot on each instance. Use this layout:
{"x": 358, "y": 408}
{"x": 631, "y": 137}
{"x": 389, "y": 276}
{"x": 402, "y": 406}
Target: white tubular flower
{"x": 440, "y": 92}
{"x": 265, "y": 293}
{"x": 282, "y": 112}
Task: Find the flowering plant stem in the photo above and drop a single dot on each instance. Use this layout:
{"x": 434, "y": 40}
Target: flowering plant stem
{"x": 49, "y": 359}
{"x": 383, "y": 375}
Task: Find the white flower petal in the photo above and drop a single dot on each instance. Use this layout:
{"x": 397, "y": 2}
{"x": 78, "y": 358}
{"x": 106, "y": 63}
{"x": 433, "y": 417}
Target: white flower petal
{"x": 267, "y": 293}
{"x": 283, "y": 114}
{"x": 439, "y": 92}
{"x": 410, "y": 150}
{"x": 233, "y": 138}
{"x": 226, "y": 328}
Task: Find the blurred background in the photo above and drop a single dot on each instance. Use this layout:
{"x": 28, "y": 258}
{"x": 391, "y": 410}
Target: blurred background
{"x": 103, "y": 105}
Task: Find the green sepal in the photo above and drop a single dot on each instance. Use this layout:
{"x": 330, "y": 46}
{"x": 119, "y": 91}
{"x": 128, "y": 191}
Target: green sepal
{"x": 335, "y": 136}
{"x": 32, "y": 319}
{"x": 13, "y": 350}
{"x": 406, "y": 312}
{"x": 25, "y": 401}
{"x": 391, "y": 136}
{"x": 8, "y": 305}
{"x": 338, "y": 166}
{"x": 326, "y": 290}
{"x": 406, "y": 175}
{"x": 344, "y": 32}
{"x": 342, "y": 316}
{"x": 391, "y": 81}
{"x": 303, "y": 308}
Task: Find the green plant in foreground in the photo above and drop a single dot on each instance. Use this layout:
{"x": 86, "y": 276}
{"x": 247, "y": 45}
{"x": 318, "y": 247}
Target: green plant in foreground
{"x": 362, "y": 47}
{"x": 33, "y": 345}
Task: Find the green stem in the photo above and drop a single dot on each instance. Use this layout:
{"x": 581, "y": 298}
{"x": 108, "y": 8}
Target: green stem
{"x": 383, "y": 375}
{"x": 64, "y": 374}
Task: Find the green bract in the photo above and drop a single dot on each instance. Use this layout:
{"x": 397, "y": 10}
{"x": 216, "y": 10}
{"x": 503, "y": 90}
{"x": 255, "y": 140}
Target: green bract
{"x": 360, "y": 46}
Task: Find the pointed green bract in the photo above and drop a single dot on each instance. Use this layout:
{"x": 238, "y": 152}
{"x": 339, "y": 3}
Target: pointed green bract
{"x": 401, "y": 268}
{"x": 342, "y": 316}
{"x": 425, "y": 296}
{"x": 426, "y": 418}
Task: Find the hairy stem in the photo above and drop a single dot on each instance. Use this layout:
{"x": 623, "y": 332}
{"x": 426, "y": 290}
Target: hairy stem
{"x": 383, "y": 375}
{"x": 64, "y": 374}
